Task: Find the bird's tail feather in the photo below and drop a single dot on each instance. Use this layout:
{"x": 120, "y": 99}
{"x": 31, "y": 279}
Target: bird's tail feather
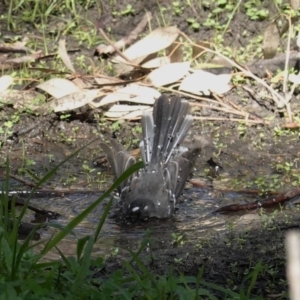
{"x": 171, "y": 123}
{"x": 119, "y": 159}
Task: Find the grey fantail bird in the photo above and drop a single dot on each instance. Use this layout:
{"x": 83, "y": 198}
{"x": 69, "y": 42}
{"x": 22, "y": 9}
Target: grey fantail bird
{"x": 153, "y": 191}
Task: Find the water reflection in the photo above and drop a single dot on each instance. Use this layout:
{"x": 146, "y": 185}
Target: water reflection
{"x": 194, "y": 219}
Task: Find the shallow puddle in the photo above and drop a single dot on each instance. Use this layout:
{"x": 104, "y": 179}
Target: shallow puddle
{"x": 194, "y": 221}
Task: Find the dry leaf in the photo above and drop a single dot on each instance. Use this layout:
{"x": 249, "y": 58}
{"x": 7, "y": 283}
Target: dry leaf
{"x": 199, "y": 48}
{"x": 59, "y": 87}
{"x": 5, "y": 82}
{"x": 271, "y": 41}
{"x": 133, "y": 35}
{"x": 294, "y": 78}
{"x": 21, "y": 99}
{"x": 202, "y": 82}
{"x": 80, "y": 83}
{"x": 132, "y": 93}
{"x": 157, "y": 62}
{"x": 118, "y": 111}
{"x": 106, "y": 80}
{"x": 175, "y": 52}
{"x": 62, "y": 51}
{"x": 157, "y": 40}
{"x": 295, "y": 4}
{"x": 19, "y": 46}
{"x": 168, "y": 74}
{"x": 24, "y": 59}
{"x": 73, "y": 101}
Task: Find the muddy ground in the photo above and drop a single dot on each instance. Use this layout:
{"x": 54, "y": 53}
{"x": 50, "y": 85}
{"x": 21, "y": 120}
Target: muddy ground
{"x": 252, "y": 158}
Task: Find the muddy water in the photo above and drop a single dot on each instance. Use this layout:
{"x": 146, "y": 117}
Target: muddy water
{"x": 194, "y": 220}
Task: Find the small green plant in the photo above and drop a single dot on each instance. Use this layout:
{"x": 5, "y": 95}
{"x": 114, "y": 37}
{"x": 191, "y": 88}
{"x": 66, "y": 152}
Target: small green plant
{"x": 89, "y": 38}
{"x": 138, "y": 129}
{"x": 193, "y": 24}
{"x": 295, "y": 179}
{"x": 129, "y": 10}
{"x": 262, "y": 184}
{"x": 242, "y": 129}
{"x": 178, "y": 239}
{"x": 65, "y": 116}
{"x": 177, "y": 8}
{"x": 278, "y": 131}
{"x": 87, "y": 167}
{"x": 115, "y": 126}
{"x": 211, "y": 22}
{"x": 286, "y": 169}
{"x": 255, "y": 13}
{"x": 222, "y": 6}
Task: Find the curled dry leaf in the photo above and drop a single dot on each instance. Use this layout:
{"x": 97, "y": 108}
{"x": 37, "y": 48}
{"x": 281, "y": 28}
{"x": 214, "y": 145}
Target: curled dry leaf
{"x": 202, "y": 82}
{"x": 168, "y": 74}
{"x": 59, "y": 87}
{"x": 62, "y": 51}
{"x": 132, "y": 93}
{"x": 5, "y": 82}
{"x": 24, "y": 59}
{"x": 157, "y": 40}
{"x": 73, "y": 100}
{"x": 18, "y": 47}
{"x": 128, "y": 112}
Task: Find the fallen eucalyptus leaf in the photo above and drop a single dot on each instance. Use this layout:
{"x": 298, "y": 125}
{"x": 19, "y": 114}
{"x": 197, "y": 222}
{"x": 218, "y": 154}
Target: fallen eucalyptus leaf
{"x": 132, "y": 93}
{"x": 168, "y": 74}
{"x": 5, "y": 82}
{"x": 202, "y": 82}
{"x": 156, "y": 41}
{"x": 73, "y": 101}
{"x": 118, "y": 111}
{"x": 59, "y": 87}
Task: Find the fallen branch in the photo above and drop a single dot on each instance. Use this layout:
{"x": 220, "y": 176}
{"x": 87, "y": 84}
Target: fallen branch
{"x": 273, "y": 200}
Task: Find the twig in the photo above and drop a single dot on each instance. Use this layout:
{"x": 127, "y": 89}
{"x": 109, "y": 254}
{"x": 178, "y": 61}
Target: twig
{"x": 232, "y": 111}
{"x": 277, "y": 98}
{"x": 115, "y": 48}
{"x": 22, "y": 180}
{"x": 278, "y": 199}
{"x": 232, "y": 119}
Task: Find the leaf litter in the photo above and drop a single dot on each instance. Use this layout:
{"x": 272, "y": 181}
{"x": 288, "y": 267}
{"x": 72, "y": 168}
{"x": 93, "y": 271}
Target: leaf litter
{"x": 166, "y": 72}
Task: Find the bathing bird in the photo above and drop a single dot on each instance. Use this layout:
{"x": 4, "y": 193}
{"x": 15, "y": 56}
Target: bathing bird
{"x": 154, "y": 190}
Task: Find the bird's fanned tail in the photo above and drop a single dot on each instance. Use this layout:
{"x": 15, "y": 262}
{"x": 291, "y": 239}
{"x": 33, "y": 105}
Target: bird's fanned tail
{"x": 153, "y": 191}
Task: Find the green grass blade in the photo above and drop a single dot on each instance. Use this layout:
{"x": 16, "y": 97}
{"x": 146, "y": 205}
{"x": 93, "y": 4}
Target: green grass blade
{"x": 72, "y": 224}
{"x": 85, "y": 263}
{"x": 48, "y": 176}
{"x": 103, "y": 218}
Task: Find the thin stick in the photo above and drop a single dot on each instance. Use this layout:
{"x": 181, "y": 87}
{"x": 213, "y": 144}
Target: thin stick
{"x": 231, "y": 119}
{"x": 277, "y": 98}
{"x": 115, "y": 48}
